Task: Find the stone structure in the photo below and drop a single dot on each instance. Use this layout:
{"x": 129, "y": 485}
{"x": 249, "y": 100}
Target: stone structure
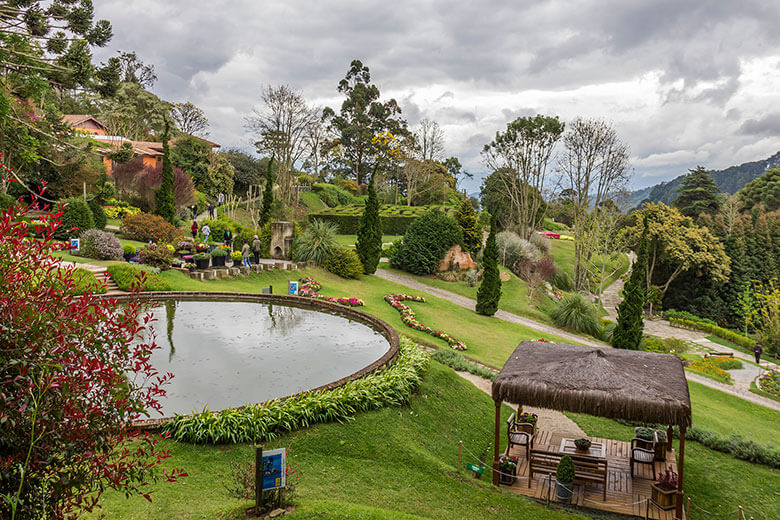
{"x": 457, "y": 260}
{"x": 281, "y": 239}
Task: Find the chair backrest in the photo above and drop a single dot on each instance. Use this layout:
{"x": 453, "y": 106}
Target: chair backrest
{"x": 642, "y": 443}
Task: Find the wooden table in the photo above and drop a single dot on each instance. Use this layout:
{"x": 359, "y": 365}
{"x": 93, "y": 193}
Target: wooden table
{"x": 596, "y": 448}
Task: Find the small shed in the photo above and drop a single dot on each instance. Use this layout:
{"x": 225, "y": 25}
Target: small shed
{"x": 605, "y": 382}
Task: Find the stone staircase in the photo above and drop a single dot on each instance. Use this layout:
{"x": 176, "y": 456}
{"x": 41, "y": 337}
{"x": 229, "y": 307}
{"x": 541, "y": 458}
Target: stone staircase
{"x": 103, "y": 277}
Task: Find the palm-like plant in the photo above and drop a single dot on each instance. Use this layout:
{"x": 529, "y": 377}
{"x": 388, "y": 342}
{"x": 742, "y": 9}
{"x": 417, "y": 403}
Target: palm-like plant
{"x": 317, "y": 242}
{"x": 576, "y": 313}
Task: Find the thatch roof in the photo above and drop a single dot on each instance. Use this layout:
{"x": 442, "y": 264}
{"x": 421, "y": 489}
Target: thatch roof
{"x": 627, "y": 384}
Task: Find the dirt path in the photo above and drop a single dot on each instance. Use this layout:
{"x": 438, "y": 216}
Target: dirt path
{"x": 468, "y": 303}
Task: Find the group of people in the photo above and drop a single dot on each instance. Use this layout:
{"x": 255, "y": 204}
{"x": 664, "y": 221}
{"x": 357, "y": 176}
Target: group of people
{"x": 211, "y": 208}
{"x": 246, "y": 250}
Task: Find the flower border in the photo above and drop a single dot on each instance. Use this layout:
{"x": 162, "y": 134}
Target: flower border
{"x": 410, "y": 320}
{"x": 309, "y": 286}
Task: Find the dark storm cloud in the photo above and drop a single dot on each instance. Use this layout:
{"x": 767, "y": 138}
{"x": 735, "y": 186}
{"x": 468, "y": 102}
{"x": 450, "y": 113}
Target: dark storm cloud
{"x": 767, "y": 125}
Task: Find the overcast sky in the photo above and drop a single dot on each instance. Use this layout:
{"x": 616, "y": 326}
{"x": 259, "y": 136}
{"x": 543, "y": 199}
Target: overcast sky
{"x": 684, "y": 82}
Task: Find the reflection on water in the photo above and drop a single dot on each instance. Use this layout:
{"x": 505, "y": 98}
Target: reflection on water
{"x": 229, "y": 354}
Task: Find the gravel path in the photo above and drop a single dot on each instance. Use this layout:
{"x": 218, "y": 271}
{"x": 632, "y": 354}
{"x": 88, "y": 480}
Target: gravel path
{"x": 468, "y": 303}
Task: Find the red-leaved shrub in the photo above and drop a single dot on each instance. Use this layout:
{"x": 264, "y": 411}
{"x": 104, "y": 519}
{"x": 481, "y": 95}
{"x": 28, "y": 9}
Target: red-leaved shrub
{"x": 145, "y": 227}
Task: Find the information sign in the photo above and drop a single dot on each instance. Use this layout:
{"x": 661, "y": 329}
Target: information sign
{"x": 274, "y": 464}
{"x": 74, "y": 244}
{"x": 293, "y": 288}
{"x": 476, "y": 469}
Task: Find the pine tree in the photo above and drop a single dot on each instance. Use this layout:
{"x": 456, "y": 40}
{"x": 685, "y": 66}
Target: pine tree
{"x": 698, "y": 194}
{"x": 489, "y": 292}
{"x": 164, "y": 204}
{"x": 268, "y": 194}
{"x": 467, "y": 220}
{"x": 369, "y": 236}
{"x": 629, "y": 328}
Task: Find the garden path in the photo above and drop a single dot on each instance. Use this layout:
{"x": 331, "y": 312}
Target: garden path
{"x": 100, "y": 273}
{"x": 468, "y": 303}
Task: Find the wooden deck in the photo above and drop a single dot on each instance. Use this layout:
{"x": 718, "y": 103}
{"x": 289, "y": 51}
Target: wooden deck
{"x": 625, "y": 495}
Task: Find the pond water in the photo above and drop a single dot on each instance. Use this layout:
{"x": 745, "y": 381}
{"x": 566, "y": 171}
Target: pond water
{"x": 228, "y": 354}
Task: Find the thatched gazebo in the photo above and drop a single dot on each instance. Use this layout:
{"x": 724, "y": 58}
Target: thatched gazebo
{"x": 613, "y": 383}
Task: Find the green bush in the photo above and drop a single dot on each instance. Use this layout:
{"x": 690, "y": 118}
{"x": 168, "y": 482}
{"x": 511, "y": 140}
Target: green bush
{"x": 425, "y": 243}
{"x": 85, "y": 281}
{"x": 75, "y": 214}
{"x": 317, "y": 243}
{"x": 456, "y": 361}
{"x": 565, "y": 472}
{"x": 333, "y": 195}
{"x": 156, "y": 255}
{"x": 126, "y": 274}
{"x": 344, "y": 263}
{"x": 575, "y": 312}
{"x": 728, "y": 335}
{"x": 562, "y": 280}
{"x": 100, "y": 245}
{"x": 98, "y": 214}
{"x": 6, "y": 201}
{"x": 241, "y": 234}
{"x": 663, "y": 345}
{"x": 395, "y": 219}
{"x": 391, "y": 386}
{"x": 128, "y": 249}
{"x": 685, "y": 315}
{"x": 145, "y": 227}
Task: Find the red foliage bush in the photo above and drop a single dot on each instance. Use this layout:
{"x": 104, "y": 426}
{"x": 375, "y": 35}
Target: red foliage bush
{"x": 146, "y": 227}
{"x": 535, "y": 272}
{"x": 137, "y": 183}
{"x": 71, "y": 377}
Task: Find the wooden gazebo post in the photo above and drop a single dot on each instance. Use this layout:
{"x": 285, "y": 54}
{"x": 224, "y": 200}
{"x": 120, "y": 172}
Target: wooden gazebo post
{"x": 496, "y": 441}
{"x": 680, "y": 466}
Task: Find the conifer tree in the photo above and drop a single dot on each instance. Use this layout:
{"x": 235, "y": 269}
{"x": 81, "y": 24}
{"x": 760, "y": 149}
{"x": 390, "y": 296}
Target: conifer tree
{"x": 268, "y": 194}
{"x": 164, "y": 204}
{"x": 467, "y": 220}
{"x": 369, "y": 236}
{"x": 698, "y": 194}
{"x": 629, "y": 328}
{"x": 489, "y": 292}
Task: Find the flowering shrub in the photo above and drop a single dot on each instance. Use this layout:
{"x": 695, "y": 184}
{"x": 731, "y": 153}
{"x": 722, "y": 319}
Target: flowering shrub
{"x": 309, "y": 287}
{"x": 100, "y": 245}
{"x": 185, "y": 244}
{"x": 507, "y": 464}
{"x": 409, "y": 319}
{"x": 526, "y": 417}
{"x": 145, "y": 227}
{"x": 770, "y": 382}
{"x": 156, "y": 255}
{"x": 236, "y": 256}
{"x": 709, "y": 368}
{"x": 119, "y": 212}
{"x": 202, "y": 248}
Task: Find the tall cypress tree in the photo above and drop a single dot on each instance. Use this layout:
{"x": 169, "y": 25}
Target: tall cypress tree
{"x": 164, "y": 204}
{"x": 268, "y": 194}
{"x": 369, "y": 236}
{"x": 629, "y": 329}
{"x": 467, "y": 220}
{"x": 489, "y": 292}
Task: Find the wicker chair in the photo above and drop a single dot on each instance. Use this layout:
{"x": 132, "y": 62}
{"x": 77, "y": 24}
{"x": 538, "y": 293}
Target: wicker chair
{"x": 642, "y": 452}
{"x": 519, "y": 434}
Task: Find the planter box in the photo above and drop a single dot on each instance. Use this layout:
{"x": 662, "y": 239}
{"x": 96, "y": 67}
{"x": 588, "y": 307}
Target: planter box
{"x": 218, "y": 261}
{"x": 564, "y": 491}
{"x": 663, "y": 498}
{"x": 202, "y": 264}
{"x": 660, "y": 451}
{"x": 506, "y": 477}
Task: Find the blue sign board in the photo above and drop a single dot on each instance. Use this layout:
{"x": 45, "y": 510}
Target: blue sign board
{"x": 293, "y": 288}
{"x": 274, "y": 464}
{"x": 74, "y": 244}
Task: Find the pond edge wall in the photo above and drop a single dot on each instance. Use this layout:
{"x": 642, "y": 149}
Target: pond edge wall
{"x": 375, "y": 323}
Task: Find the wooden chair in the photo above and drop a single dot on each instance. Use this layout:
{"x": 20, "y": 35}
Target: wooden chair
{"x": 519, "y": 434}
{"x": 642, "y": 452}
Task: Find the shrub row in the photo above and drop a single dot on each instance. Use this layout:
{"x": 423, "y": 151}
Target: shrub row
{"x": 126, "y": 274}
{"x": 395, "y": 219}
{"x": 390, "y": 386}
{"x": 456, "y": 361}
{"x": 85, "y": 281}
{"x": 728, "y": 335}
{"x": 685, "y": 315}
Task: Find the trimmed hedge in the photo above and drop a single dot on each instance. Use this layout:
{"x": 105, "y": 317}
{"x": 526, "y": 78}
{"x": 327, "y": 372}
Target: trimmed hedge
{"x": 728, "y": 335}
{"x": 126, "y": 274}
{"x": 390, "y": 386}
{"x": 395, "y": 219}
{"x": 85, "y": 281}
{"x": 344, "y": 263}
{"x": 75, "y": 214}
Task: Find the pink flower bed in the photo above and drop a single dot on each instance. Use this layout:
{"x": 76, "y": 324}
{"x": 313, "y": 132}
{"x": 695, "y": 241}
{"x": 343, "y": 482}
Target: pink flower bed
{"x": 409, "y": 319}
{"x": 308, "y": 287}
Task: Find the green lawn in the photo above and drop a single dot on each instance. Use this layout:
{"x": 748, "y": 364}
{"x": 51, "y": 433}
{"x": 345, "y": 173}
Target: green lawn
{"x": 489, "y": 340}
{"x": 351, "y": 240}
{"x": 562, "y": 252}
{"x": 383, "y": 464}
{"x": 312, "y": 201}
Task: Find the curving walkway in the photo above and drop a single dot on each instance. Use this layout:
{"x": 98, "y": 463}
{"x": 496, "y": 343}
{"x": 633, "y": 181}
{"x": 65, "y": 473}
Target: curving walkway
{"x": 468, "y": 303}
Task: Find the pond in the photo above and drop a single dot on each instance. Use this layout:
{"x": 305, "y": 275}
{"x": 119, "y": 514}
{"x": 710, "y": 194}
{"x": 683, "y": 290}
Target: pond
{"x": 227, "y": 354}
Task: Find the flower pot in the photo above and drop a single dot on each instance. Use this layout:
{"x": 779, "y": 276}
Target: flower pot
{"x": 218, "y": 261}
{"x": 664, "y": 498}
{"x": 564, "y": 491}
{"x": 507, "y": 476}
{"x": 128, "y": 256}
{"x": 202, "y": 264}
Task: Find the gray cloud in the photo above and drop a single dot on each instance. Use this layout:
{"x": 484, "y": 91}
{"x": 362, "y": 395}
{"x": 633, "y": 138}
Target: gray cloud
{"x": 767, "y": 125}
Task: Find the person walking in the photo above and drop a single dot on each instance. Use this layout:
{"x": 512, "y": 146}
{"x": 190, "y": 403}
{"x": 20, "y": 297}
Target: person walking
{"x": 211, "y": 210}
{"x": 194, "y": 229}
{"x": 206, "y": 230}
{"x": 758, "y": 350}
{"x": 245, "y": 252}
{"x": 228, "y": 239}
{"x": 220, "y": 198}
{"x": 257, "y": 246}
{"x": 194, "y": 210}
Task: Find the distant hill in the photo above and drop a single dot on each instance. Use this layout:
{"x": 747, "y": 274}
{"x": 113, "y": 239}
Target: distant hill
{"x": 729, "y": 180}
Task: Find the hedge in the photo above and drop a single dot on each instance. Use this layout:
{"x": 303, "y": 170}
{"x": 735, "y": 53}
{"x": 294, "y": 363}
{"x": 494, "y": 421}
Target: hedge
{"x": 728, "y": 335}
{"x": 395, "y": 219}
{"x": 125, "y": 274}
{"x": 85, "y": 281}
{"x": 391, "y": 386}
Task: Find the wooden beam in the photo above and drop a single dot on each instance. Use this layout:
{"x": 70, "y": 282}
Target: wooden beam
{"x": 680, "y": 466}
{"x": 669, "y": 437}
{"x": 496, "y": 441}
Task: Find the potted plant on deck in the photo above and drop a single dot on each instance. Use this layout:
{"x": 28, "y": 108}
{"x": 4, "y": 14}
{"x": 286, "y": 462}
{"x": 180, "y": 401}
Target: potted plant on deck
{"x": 218, "y": 256}
{"x": 507, "y": 466}
{"x": 564, "y": 479}
{"x": 201, "y": 260}
{"x": 526, "y": 422}
{"x": 660, "y": 445}
{"x": 664, "y": 490}
{"x": 583, "y": 444}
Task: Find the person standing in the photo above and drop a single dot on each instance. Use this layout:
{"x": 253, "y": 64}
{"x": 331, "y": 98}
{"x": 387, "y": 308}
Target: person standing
{"x": 194, "y": 229}
{"x": 220, "y": 198}
{"x": 211, "y": 210}
{"x": 194, "y": 210}
{"x": 228, "y": 239}
{"x": 257, "y": 246}
{"x": 245, "y": 252}
{"x": 758, "y": 350}
{"x": 206, "y": 230}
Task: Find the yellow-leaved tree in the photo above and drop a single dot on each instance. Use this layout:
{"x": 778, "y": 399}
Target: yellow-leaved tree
{"x": 765, "y": 315}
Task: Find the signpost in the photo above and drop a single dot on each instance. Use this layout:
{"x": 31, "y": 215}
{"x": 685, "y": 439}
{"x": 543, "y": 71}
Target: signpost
{"x": 74, "y": 244}
{"x": 477, "y": 470}
{"x": 270, "y": 471}
{"x": 292, "y": 288}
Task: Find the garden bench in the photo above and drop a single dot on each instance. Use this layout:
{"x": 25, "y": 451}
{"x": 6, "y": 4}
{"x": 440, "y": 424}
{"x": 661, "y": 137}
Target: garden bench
{"x": 586, "y": 469}
{"x": 718, "y": 354}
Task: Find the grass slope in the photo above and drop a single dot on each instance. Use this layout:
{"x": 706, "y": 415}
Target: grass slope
{"x": 391, "y": 463}
{"x": 489, "y": 340}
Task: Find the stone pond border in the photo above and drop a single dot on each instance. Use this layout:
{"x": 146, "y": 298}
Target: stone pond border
{"x": 281, "y": 299}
